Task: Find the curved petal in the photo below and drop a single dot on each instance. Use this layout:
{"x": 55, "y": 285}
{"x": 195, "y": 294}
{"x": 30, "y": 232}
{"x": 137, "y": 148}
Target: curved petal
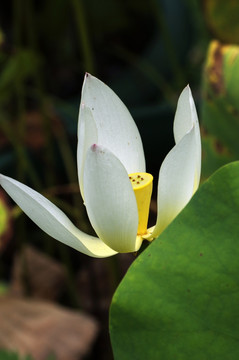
{"x": 116, "y": 128}
{"x": 52, "y": 220}
{"x": 110, "y": 200}
{"x": 87, "y": 135}
{"x": 185, "y": 118}
{"x": 176, "y": 183}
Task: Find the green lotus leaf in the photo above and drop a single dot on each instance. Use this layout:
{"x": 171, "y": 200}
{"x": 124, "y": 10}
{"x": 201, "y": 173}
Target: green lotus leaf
{"x": 179, "y": 300}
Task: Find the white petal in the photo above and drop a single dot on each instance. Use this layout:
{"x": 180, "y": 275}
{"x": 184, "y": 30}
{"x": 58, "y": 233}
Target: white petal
{"x": 116, "y": 128}
{"x": 176, "y": 183}
{"x": 110, "y": 200}
{"x": 52, "y": 220}
{"x": 185, "y": 118}
{"x": 87, "y": 135}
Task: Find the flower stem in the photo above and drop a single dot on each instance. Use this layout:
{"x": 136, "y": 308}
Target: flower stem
{"x": 83, "y": 34}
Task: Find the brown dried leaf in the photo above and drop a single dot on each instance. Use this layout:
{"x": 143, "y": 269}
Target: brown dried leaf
{"x": 40, "y": 329}
{"x": 37, "y": 275}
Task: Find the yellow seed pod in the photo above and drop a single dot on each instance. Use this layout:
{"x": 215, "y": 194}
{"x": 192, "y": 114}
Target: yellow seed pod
{"x": 142, "y": 185}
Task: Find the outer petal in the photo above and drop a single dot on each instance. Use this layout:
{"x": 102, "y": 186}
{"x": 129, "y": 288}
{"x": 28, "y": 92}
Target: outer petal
{"x": 110, "y": 200}
{"x": 116, "y": 128}
{"x": 176, "y": 183}
{"x": 185, "y": 118}
{"x": 87, "y": 135}
{"x": 52, "y": 220}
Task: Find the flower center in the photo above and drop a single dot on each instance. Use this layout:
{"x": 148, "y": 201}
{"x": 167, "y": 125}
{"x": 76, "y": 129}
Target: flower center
{"x": 142, "y": 185}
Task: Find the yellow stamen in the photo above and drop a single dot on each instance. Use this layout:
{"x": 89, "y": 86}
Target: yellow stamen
{"x": 142, "y": 185}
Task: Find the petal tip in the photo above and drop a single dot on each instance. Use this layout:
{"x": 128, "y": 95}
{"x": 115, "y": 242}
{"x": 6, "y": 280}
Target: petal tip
{"x": 187, "y": 90}
{"x": 87, "y": 77}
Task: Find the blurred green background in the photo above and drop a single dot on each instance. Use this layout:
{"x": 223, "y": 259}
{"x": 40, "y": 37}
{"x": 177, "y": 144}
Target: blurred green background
{"x": 147, "y": 52}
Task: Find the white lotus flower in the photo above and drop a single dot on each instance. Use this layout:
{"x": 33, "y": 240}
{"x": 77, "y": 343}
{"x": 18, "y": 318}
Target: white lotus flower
{"x": 113, "y": 183}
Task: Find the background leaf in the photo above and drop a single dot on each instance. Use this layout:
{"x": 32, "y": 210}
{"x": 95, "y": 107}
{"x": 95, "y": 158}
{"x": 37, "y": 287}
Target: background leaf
{"x": 179, "y": 300}
{"x": 222, "y": 18}
{"x": 220, "y": 108}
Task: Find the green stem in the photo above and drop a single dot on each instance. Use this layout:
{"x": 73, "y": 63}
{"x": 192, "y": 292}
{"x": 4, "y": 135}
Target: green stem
{"x": 17, "y": 19}
{"x": 168, "y": 43}
{"x": 83, "y": 34}
{"x": 46, "y": 120}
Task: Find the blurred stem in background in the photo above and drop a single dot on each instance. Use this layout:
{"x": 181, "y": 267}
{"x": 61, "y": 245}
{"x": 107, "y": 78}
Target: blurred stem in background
{"x": 168, "y": 43}
{"x": 83, "y": 35}
{"x": 195, "y": 8}
{"x": 20, "y": 93}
